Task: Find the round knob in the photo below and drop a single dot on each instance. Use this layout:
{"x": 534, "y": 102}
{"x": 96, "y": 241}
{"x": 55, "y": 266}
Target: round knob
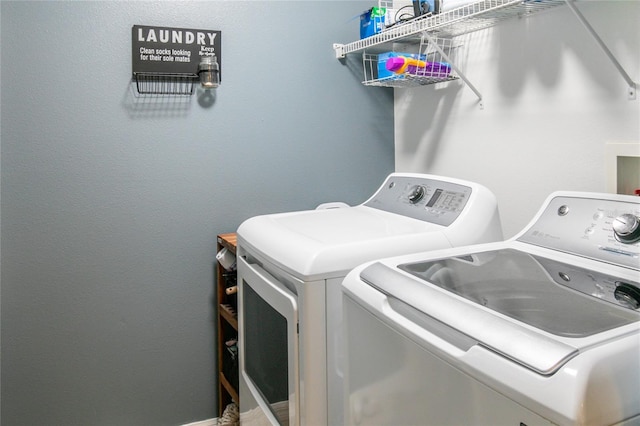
{"x": 416, "y": 194}
{"x": 628, "y": 295}
{"x": 626, "y": 228}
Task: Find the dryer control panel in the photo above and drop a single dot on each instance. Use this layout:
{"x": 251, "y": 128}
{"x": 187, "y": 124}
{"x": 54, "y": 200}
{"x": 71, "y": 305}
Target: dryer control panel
{"x": 431, "y": 200}
{"x": 601, "y": 229}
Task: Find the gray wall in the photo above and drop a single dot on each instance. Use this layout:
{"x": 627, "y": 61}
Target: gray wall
{"x": 111, "y": 202}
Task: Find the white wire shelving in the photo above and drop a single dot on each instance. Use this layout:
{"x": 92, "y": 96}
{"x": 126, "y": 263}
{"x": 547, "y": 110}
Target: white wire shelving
{"x": 456, "y": 22}
{"x": 472, "y": 17}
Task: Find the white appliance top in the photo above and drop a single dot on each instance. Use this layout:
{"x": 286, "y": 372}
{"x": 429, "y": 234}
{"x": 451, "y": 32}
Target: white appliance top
{"x": 569, "y": 282}
{"x": 408, "y": 213}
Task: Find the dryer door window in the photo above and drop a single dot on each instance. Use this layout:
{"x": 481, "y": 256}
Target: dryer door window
{"x": 265, "y": 342}
{"x": 269, "y": 342}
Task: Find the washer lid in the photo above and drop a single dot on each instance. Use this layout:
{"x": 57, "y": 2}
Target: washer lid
{"x": 531, "y": 289}
{"x": 520, "y": 288}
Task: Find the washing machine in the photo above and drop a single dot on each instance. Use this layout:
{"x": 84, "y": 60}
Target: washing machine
{"x": 543, "y": 328}
{"x": 291, "y": 265}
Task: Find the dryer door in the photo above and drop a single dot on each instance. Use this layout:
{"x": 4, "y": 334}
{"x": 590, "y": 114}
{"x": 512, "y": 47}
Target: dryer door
{"x": 268, "y": 347}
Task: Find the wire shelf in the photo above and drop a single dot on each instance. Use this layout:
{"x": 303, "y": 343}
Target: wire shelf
{"x": 472, "y": 17}
{"x": 165, "y": 84}
{"x": 486, "y": 14}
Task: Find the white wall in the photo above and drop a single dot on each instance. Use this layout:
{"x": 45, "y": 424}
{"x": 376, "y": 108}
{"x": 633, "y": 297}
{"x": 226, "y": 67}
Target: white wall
{"x": 552, "y": 101}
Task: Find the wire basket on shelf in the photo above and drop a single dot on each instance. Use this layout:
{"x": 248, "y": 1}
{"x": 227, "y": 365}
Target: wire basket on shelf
{"x": 428, "y": 64}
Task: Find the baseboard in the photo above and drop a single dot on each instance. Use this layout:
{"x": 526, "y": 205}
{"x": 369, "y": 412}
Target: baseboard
{"x": 208, "y": 422}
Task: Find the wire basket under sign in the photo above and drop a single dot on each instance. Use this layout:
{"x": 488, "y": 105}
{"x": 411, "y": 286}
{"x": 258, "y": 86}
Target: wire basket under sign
{"x": 165, "y": 84}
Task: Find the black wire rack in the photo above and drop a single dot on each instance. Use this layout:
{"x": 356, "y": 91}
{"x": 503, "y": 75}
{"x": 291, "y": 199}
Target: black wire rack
{"x": 165, "y": 84}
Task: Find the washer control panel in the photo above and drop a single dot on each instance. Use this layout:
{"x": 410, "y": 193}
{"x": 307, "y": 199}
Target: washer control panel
{"x": 625, "y": 293}
{"x": 601, "y": 229}
{"x": 431, "y": 200}
{"x": 626, "y": 228}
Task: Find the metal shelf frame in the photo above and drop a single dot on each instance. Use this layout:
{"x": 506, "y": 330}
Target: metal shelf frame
{"x": 472, "y": 17}
{"x": 633, "y": 86}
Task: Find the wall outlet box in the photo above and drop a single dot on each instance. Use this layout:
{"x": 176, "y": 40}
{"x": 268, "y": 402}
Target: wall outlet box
{"x": 622, "y": 167}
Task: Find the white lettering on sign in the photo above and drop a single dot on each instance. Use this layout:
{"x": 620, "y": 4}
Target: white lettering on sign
{"x": 150, "y": 35}
{"x": 167, "y": 55}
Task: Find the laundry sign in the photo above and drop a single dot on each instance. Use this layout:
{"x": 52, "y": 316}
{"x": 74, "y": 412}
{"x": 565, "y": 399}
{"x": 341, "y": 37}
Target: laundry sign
{"x": 163, "y": 50}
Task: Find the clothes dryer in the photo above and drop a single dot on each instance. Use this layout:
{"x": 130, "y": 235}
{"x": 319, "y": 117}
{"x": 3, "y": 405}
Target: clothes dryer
{"x": 291, "y": 265}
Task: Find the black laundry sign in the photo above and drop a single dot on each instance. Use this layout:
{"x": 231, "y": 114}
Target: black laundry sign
{"x": 162, "y": 50}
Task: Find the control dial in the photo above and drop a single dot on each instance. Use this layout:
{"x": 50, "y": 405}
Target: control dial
{"x": 416, "y": 194}
{"x": 628, "y": 295}
{"x": 626, "y": 228}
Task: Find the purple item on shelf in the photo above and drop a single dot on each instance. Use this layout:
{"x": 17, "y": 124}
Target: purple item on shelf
{"x": 432, "y": 69}
{"x": 411, "y": 66}
{"x": 395, "y": 63}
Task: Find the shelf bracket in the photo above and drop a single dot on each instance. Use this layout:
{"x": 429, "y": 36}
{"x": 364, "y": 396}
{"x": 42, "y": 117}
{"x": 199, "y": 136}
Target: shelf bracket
{"x": 454, "y": 67}
{"x": 632, "y": 84}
